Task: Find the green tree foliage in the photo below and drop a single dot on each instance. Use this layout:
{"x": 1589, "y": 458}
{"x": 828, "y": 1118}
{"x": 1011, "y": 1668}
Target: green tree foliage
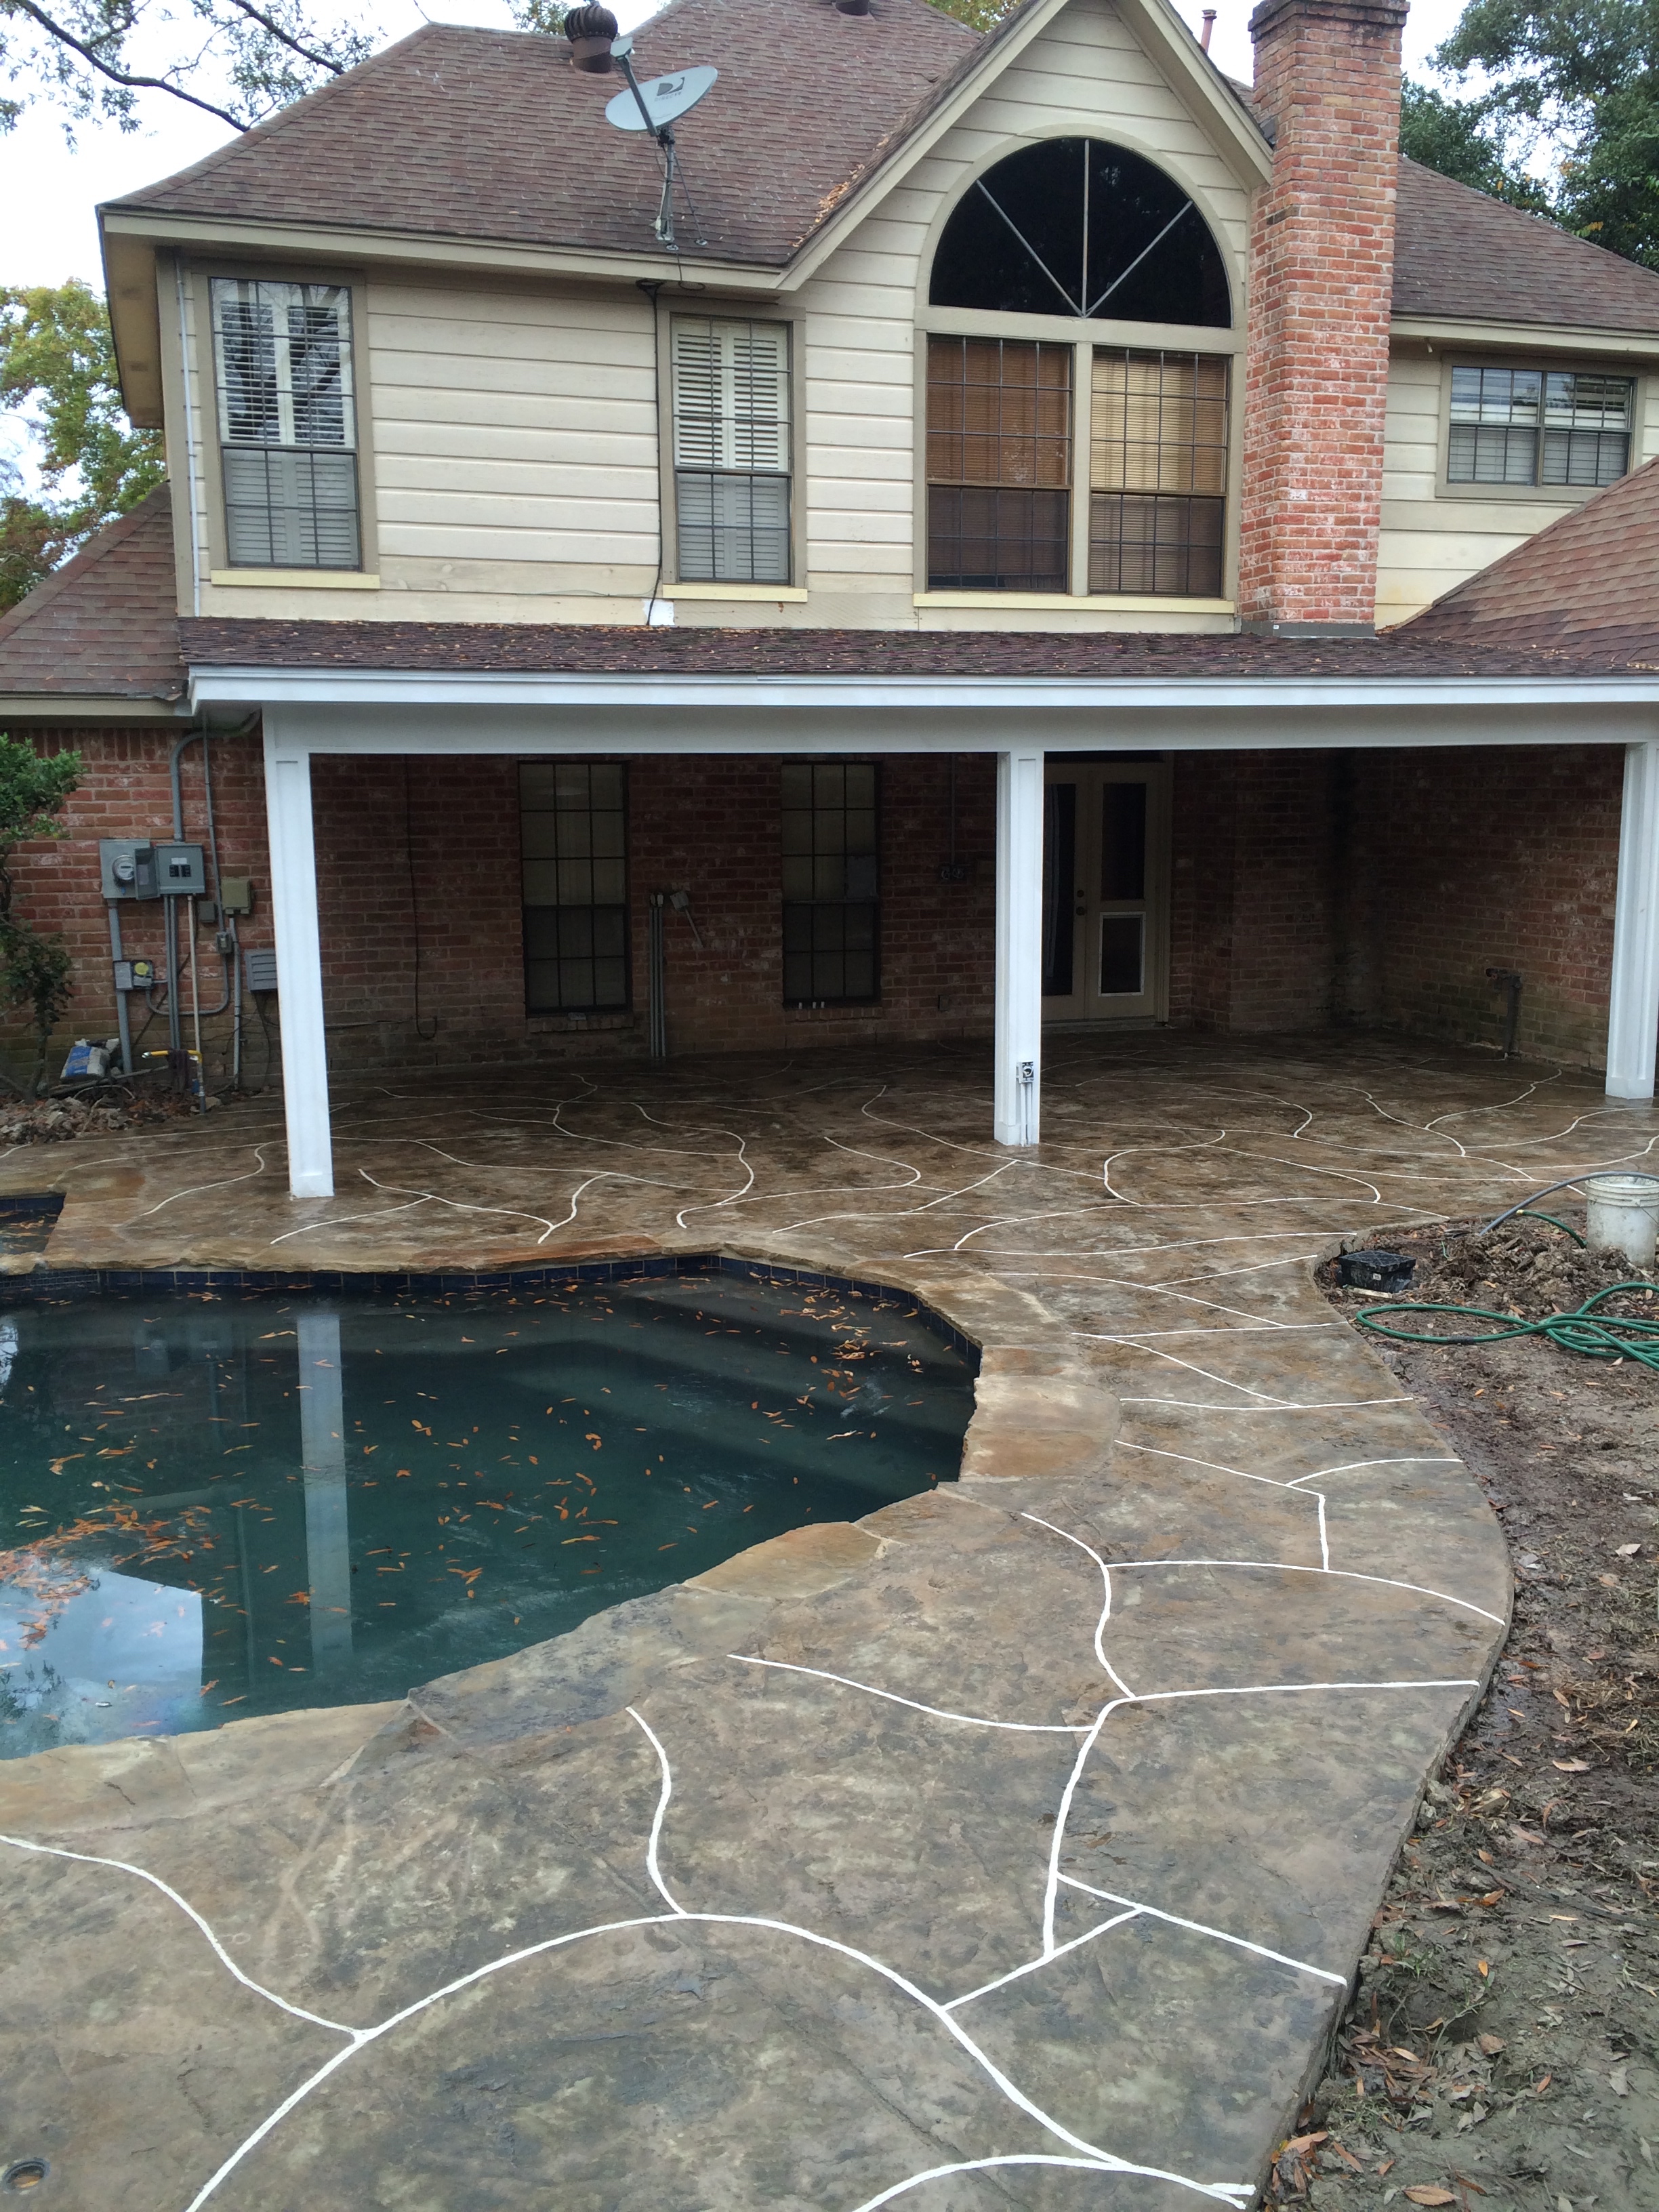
{"x": 1459, "y": 139}
{"x": 58, "y": 368}
{"x": 35, "y": 967}
{"x": 978, "y": 14}
{"x": 237, "y": 59}
{"x": 1579, "y": 79}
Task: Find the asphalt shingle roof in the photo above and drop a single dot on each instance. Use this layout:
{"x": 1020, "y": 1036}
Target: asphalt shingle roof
{"x": 1460, "y": 255}
{"x": 595, "y": 649}
{"x": 105, "y": 624}
{"x": 493, "y": 135}
{"x": 1587, "y": 584}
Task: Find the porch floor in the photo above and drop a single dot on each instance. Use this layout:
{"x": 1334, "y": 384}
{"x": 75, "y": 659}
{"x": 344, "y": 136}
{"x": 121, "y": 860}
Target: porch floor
{"x": 1030, "y": 1868}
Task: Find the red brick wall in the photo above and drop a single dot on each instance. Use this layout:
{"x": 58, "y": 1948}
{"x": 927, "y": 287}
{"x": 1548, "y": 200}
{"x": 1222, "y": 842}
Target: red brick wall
{"x": 125, "y": 793}
{"x": 1321, "y": 264}
{"x": 709, "y": 826}
{"x": 1502, "y": 859}
{"x": 1252, "y": 917}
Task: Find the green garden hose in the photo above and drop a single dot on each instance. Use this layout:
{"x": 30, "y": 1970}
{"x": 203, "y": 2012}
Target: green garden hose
{"x": 1530, "y": 1213}
{"x": 1583, "y": 1330}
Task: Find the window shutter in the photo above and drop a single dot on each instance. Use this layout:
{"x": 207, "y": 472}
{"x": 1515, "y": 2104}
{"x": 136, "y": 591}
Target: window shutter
{"x": 731, "y": 383}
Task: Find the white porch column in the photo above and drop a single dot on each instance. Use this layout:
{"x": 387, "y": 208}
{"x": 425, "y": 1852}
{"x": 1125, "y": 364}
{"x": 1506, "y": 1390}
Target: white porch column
{"x": 322, "y": 1454}
{"x": 1633, "y": 1002}
{"x": 1019, "y": 946}
{"x": 299, "y": 964}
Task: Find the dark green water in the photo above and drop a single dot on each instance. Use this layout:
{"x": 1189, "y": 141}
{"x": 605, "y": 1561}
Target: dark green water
{"x": 213, "y": 1506}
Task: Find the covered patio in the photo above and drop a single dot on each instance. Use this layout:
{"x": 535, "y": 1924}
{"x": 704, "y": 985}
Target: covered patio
{"x": 1034, "y": 1823}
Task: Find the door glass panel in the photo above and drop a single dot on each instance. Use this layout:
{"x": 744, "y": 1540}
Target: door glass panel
{"x": 1122, "y": 941}
{"x": 1122, "y": 848}
{"x": 1058, "y": 874}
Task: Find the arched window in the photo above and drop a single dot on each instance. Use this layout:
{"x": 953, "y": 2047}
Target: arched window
{"x": 1074, "y": 227}
{"x": 1019, "y": 427}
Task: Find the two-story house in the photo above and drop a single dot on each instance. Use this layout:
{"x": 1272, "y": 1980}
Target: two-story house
{"x": 955, "y": 563}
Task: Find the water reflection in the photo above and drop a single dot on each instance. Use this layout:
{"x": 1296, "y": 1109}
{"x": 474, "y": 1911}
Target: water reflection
{"x": 218, "y": 1506}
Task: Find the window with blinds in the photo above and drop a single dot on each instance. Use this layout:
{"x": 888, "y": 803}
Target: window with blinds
{"x": 287, "y": 423}
{"x": 573, "y": 827}
{"x": 999, "y": 465}
{"x": 731, "y": 450}
{"x": 1158, "y": 474}
{"x": 1535, "y": 426}
{"x": 831, "y": 883}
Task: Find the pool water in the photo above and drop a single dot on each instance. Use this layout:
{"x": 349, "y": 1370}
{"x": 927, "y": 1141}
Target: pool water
{"x": 214, "y": 1505}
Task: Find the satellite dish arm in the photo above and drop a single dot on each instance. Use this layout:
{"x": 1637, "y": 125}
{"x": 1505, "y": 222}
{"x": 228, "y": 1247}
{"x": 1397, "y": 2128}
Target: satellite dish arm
{"x": 622, "y": 49}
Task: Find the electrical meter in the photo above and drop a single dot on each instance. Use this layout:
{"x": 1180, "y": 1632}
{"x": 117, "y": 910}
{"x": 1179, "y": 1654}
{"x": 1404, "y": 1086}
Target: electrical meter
{"x": 127, "y": 866}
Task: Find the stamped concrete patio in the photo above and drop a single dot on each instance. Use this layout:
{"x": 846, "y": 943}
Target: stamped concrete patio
{"x": 1013, "y": 1847}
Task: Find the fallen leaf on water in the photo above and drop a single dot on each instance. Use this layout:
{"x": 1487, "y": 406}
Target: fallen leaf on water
{"x": 1424, "y": 2194}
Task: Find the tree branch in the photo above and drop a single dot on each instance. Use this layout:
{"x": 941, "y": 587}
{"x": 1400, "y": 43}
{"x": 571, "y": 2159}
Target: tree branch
{"x": 306, "y": 53}
{"x": 94, "y": 60}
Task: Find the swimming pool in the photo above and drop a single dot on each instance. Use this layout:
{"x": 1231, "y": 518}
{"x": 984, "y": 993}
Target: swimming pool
{"x": 228, "y": 1503}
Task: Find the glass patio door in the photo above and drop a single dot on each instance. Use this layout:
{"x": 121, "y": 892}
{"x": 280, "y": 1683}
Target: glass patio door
{"x": 1105, "y": 890}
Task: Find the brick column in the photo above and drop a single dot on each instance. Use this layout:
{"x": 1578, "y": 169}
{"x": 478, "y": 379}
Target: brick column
{"x": 1321, "y": 275}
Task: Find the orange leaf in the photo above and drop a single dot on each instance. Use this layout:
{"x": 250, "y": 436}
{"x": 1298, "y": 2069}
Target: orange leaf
{"x": 1424, "y": 2194}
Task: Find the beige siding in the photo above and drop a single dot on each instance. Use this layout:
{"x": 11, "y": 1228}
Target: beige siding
{"x": 1433, "y": 539}
{"x": 514, "y": 425}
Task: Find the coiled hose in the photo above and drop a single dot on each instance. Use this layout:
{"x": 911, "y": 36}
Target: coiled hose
{"x": 1596, "y": 1336}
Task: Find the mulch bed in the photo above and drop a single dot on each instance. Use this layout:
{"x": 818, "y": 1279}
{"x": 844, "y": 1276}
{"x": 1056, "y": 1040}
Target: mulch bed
{"x": 1501, "y": 2053}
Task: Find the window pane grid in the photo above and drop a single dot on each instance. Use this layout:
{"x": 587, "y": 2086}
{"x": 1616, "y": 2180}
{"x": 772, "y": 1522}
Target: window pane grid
{"x": 831, "y": 901}
{"x": 1158, "y": 473}
{"x": 287, "y": 423}
{"x": 1528, "y": 426}
{"x": 999, "y": 465}
{"x": 573, "y": 837}
{"x": 731, "y": 449}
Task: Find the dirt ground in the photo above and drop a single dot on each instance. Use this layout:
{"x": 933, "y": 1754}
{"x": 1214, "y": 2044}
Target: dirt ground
{"x": 1502, "y": 2051}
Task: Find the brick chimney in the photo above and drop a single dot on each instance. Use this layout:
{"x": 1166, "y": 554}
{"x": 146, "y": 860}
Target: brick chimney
{"x": 1321, "y": 274}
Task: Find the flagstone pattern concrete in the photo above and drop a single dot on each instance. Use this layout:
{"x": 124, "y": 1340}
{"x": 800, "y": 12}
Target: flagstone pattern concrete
{"x": 1013, "y": 1847}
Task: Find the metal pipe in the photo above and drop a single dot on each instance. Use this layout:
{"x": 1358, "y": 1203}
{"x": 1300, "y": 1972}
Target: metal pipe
{"x": 657, "y": 979}
{"x": 123, "y": 1022}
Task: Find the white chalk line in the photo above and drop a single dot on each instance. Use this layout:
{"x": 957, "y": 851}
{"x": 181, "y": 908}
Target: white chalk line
{"x": 1322, "y": 1406}
{"x": 892, "y": 1698}
{"x": 122, "y": 1866}
{"x": 1106, "y": 1609}
{"x": 1336, "y": 1574}
{"x": 1237, "y": 2193}
{"x": 1031, "y": 1965}
{"x": 1198, "y": 1928}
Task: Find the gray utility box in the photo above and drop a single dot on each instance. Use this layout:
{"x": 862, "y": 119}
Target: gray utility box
{"x": 127, "y": 866}
{"x": 139, "y": 868}
{"x": 180, "y": 873}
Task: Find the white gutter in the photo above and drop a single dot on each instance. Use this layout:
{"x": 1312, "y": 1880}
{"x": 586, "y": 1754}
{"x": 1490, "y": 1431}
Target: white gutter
{"x": 354, "y": 688}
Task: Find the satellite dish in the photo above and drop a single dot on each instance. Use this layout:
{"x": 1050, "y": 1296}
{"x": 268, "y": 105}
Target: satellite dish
{"x": 659, "y": 101}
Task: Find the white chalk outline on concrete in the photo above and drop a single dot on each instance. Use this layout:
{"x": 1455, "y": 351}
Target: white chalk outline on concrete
{"x": 1199, "y": 1927}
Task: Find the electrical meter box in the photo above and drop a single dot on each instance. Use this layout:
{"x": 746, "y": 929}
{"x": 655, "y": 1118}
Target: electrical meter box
{"x": 178, "y": 872}
{"x": 127, "y": 866}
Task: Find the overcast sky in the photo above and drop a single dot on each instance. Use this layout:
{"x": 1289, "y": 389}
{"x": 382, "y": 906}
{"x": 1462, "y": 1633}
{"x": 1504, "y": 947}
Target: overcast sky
{"x": 54, "y": 189}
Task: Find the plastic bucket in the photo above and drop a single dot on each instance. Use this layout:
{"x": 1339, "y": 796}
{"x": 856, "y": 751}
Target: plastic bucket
{"x": 1623, "y": 1215}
